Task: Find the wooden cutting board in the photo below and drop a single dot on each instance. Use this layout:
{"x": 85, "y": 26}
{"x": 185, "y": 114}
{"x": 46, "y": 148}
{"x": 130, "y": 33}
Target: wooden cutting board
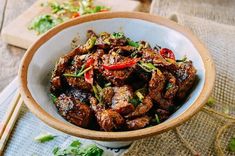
{"x": 17, "y": 33}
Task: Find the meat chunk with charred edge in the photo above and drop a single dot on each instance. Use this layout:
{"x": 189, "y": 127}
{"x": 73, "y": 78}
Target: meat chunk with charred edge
{"x": 186, "y": 75}
{"x": 171, "y": 86}
{"x": 120, "y": 100}
{"x": 162, "y": 114}
{"x": 156, "y": 87}
{"x": 74, "y": 111}
{"x": 109, "y": 120}
{"x": 142, "y": 108}
{"x": 138, "y": 123}
{"x": 107, "y": 95}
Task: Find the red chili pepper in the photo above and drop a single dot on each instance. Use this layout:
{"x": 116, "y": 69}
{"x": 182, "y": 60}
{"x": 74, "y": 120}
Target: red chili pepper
{"x": 167, "y": 53}
{"x": 76, "y": 14}
{"x": 122, "y": 65}
{"x": 89, "y": 74}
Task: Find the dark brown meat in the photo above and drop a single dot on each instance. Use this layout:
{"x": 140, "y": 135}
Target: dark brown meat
{"x": 142, "y": 108}
{"x": 73, "y": 110}
{"x": 156, "y": 87}
{"x": 171, "y": 86}
{"x": 120, "y": 101}
{"x": 97, "y": 58}
{"x": 109, "y": 120}
{"x": 77, "y": 62}
{"x": 117, "y": 42}
{"x": 56, "y": 83}
{"x": 138, "y": 123}
{"x": 107, "y": 95}
{"x": 186, "y": 75}
{"x": 61, "y": 66}
{"x": 162, "y": 114}
{"x": 91, "y": 33}
{"x": 79, "y": 83}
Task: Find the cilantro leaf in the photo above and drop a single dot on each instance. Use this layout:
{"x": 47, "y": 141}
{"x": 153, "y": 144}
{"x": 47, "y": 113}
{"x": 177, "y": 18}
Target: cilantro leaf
{"x": 232, "y": 144}
{"x": 132, "y": 43}
{"x": 91, "y": 150}
{"x": 211, "y": 101}
{"x": 44, "y": 137}
{"x": 135, "y": 101}
{"x": 75, "y": 149}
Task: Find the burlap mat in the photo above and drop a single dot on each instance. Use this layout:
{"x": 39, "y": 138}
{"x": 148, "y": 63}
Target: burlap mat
{"x": 208, "y": 132}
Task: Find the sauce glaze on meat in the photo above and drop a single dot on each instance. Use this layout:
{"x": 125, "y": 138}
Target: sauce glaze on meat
{"x": 112, "y": 83}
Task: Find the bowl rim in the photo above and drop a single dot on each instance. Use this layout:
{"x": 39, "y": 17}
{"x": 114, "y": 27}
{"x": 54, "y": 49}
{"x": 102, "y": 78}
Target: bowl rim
{"x": 36, "y": 109}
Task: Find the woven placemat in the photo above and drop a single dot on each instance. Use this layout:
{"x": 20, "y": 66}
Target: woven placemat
{"x": 208, "y": 132}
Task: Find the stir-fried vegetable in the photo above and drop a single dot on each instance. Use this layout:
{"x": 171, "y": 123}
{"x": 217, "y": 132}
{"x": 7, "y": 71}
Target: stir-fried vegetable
{"x": 89, "y": 74}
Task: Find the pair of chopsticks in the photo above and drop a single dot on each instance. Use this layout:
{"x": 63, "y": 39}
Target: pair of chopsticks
{"x": 9, "y": 120}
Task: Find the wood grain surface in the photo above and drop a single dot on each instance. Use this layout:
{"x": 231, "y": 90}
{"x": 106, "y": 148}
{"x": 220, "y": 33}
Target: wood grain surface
{"x": 10, "y": 56}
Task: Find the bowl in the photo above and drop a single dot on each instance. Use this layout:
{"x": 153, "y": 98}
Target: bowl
{"x": 40, "y": 58}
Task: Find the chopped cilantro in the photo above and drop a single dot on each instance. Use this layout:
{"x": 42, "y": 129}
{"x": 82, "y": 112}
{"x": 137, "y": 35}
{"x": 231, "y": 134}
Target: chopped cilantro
{"x": 135, "y": 101}
{"x": 117, "y": 35}
{"x": 53, "y": 97}
{"x": 75, "y": 149}
{"x": 43, "y": 23}
{"x": 44, "y": 137}
{"x": 169, "y": 85}
{"x": 211, "y": 101}
{"x": 157, "y": 118}
{"x": 132, "y": 43}
{"x": 231, "y": 144}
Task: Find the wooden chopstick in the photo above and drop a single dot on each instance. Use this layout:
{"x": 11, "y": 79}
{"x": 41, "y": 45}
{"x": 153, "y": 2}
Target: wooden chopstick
{"x": 9, "y": 120}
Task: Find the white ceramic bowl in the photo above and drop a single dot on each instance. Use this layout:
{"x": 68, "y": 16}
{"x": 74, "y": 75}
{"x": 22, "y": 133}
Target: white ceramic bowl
{"x": 40, "y": 59}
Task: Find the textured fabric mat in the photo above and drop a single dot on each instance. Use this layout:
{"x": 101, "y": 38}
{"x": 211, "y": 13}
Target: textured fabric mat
{"x": 208, "y": 132}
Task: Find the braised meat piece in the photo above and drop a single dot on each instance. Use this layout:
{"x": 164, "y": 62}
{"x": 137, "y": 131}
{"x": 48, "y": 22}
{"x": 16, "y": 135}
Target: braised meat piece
{"x": 156, "y": 87}
{"x": 77, "y": 82}
{"x": 107, "y": 95}
{"x": 120, "y": 101}
{"x": 186, "y": 75}
{"x": 138, "y": 123}
{"x": 142, "y": 108}
{"x": 56, "y": 83}
{"x": 162, "y": 114}
{"x": 78, "y": 94}
{"x": 77, "y": 62}
{"x": 109, "y": 120}
{"x": 74, "y": 111}
{"x": 171, "y": 86}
